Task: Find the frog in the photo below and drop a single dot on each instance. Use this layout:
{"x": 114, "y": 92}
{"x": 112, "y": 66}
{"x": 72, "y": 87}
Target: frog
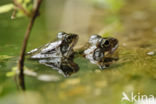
{"x": 101, "y": 51}
{"x": 59, "y": 54}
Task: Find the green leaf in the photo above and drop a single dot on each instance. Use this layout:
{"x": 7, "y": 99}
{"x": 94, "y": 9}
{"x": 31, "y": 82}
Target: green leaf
{"x": 3, "y": 57}
{"x": 106, "y": 35}
{"x": 115, "y": 5}
{"x": 12, "y": 72}
{"x": 27, "y": 1}
{"x": 19, "y": 1}
{"x": 20, "y": 14}
{"x": 6, "y": 8}
{"x": 112, "y": 5}
{"x": 28, "y": 5}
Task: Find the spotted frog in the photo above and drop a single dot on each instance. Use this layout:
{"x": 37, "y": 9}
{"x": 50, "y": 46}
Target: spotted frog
{"x": 59, "y": 54}
{"x": 101, "y": 51}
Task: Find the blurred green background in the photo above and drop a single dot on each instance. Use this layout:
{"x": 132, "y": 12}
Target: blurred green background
{"x": 132, "y": 22}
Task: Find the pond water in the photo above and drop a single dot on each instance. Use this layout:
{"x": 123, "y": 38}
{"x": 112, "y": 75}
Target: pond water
{"x": 132, "y": 22}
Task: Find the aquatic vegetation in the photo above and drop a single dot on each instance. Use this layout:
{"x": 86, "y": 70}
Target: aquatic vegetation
{"x": 112, "y": 5}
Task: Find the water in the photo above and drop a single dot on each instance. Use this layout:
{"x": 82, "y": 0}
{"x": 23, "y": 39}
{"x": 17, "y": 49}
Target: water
{"x": 134, "y": 25}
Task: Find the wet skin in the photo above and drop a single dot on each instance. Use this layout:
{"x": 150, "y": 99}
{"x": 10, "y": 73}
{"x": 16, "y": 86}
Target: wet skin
{"x": 101, "y": 51}
{"x": 59, "y": 54}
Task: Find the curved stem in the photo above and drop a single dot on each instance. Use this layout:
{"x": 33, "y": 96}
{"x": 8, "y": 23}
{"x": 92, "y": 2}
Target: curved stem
{"x": 22, "y": 55}
{"x": 21, "y": 8}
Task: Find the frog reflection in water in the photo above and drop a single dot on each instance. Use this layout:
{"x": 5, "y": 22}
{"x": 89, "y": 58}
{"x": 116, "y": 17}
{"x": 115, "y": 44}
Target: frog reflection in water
{"x": 101, "y": 51}
{"x": 59, "y": 54}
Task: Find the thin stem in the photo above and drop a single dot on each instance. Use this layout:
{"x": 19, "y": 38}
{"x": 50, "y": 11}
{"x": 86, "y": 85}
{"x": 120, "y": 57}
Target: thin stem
{"x": 21, "y": 8}
{"x": 22, "y": 55}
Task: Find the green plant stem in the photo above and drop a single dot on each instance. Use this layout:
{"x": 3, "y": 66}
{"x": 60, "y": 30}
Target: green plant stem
{"x": 21, "y": 8}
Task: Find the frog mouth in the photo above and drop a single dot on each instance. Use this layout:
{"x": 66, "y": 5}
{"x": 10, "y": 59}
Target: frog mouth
{"x": 74, "y": 42}
{"x": 114, "y": 48}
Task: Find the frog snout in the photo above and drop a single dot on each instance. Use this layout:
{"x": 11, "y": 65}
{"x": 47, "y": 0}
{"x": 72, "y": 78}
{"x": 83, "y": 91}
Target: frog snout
{"x": 75, "y": 36}
{"x": 115, "y": 41}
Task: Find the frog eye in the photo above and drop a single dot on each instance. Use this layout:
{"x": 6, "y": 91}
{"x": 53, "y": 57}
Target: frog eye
{"x": 69, "y": 37}
{"x": 106, "y": 43}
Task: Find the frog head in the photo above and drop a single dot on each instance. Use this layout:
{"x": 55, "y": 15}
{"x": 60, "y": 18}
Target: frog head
{"x": 108, "y": 44}
{"x": 68, "y": 42}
